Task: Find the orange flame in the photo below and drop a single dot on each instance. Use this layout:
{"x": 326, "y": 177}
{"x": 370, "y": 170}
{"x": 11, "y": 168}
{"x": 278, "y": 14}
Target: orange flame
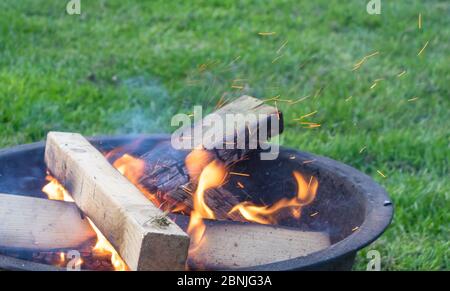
{"x": 133, "y": 169}
{"x": 130, "y": 167}
{"x": 213, "y": 175}
{"x": 306, "y": 193}
{"x": 56, "y": 191}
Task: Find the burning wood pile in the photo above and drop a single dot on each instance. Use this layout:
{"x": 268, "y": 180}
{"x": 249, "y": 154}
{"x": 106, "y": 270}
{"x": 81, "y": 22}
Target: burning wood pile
{"x": 166, "y": 209}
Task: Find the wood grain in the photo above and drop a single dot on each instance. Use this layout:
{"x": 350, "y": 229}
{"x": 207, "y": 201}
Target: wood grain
{"x": 41, "y": 224}
{"x": 128, "y": 220}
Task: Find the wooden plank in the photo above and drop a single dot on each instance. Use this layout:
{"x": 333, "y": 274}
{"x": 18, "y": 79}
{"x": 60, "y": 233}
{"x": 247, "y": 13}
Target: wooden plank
{"x": 166, "y": 174}
{"x": 234, "y": 244}
{"x": 230, "y": 245}
{"x": 41, "y": 224}
{"x": 134, "y": 226}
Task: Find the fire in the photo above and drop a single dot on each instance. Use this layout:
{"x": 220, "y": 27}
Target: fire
{"x": 133, "y": 169}
{"x": 213, "y": 175}
{"x": 306, "y": 192}
{"x": 103, "y": 246}
{"x": 130, "y": 167}
{"x": 55, "y": 191}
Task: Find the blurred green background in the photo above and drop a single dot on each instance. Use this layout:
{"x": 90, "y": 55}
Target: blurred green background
{"x": 128, "y": 66}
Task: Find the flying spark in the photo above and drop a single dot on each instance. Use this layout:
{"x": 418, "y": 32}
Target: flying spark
{"x": 421, "y": 51}
{"x": 276, "y": 59}
{"x": 307, "y": 115}
{"x": 266, "y": 33}
{"x": 282, "y": 46}
{"x": 420, "y": 20}
{"x": 401, "y": 73}
{"x": 363, "y": 60}
{"x": 381, "y": 174}
{"x": 240, "y": 174}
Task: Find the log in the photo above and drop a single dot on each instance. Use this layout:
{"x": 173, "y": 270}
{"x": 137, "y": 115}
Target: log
{"x": 40, "y": 224}
{"x": 167, "y": 175}
{"x": 139, "y": 231}
{"x": 232, "y": 245}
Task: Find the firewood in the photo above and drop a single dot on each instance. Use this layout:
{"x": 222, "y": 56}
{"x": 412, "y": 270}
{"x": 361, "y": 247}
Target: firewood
{"x": 166, "y": 174}
{"x": 232, "y": 245}
{"x": 132, "y": 223}
{"x": 229, "y": 246}
{"x": 39, "y": 224}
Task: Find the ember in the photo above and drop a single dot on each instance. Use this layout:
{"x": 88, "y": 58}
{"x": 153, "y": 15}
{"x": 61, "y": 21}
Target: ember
{"x": 100, "y": 256}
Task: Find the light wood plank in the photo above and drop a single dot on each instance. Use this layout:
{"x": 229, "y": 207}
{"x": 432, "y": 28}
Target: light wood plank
{"x": 127, "y": 219}
{"x": 41, "y": 224}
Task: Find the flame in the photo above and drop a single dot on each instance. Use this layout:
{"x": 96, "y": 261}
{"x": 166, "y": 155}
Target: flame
{"x": 56, "y": 191}
{"x": 103, "y": 246}
{"x": 306, "y": 193}
{"x": 133, "y": 169}
{"x": 213, "y": 175}
{"x": 196, "y": 161}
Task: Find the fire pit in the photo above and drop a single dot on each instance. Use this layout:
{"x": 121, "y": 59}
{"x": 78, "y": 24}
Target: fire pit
{"x": 349, "y": 206}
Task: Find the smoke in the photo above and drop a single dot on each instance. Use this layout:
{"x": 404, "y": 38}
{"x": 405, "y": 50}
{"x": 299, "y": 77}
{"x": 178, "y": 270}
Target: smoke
{"x": 148, "y": 108}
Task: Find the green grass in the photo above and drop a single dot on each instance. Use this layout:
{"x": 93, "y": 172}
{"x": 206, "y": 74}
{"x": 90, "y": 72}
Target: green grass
{"x": 128, "y": 66}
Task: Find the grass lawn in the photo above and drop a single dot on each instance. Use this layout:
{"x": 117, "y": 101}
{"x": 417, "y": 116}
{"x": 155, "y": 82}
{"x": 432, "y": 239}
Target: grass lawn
{"x": 128, "y": 66}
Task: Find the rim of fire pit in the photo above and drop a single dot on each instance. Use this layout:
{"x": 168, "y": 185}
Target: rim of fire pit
{"x": 378, "y": 216}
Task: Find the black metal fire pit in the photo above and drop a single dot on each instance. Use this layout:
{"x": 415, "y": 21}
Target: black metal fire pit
{"x": 350, "y": 206}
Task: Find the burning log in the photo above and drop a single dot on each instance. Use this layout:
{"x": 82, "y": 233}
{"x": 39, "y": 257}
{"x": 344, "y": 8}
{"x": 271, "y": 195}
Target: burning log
{"x": 231, "y": 245}
{"x": 140, "y": 232}
{"x": 171, "y": 174}
{"x": 40, "y": 224}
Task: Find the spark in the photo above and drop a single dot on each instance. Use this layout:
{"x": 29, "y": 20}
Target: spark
{"x": 282, "y": 46}
{"x": 240, "y": 174}
{"x": 362, "y": 149}
{"x": 272, "y": 98}
{"x": 401, "y": 73}
{"x": 240, "y": 185}
{"x": 314, "y": 214}
{"x": 237, "y": 87}
{"x": 348, "y": 99}
{"x": 306, "y": 115}
{"x": 235, "y": 60}
{"x": 318, "y": 92}
{"x": 292, "y": 158}
{"x": 278, "y": 111}
{"x": 266, "y": 33}
{"x": 221, "y": 101}
{"x": 420, "y": 20}
{"x": 363, "y": 60}
{"x": 300, "y": 100}
{"x": 373, "y": 85}
{"x": 308, "y": 162}
{"x": 239, "y": 80}
{"x": 413, "y": 99}
{"x": 423, "y": 48}
{"x": 310, "y": 124}
{"x": 276, "y": 59}
{"x": 381, "y": 174}
{"x": 355, "y": 228}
